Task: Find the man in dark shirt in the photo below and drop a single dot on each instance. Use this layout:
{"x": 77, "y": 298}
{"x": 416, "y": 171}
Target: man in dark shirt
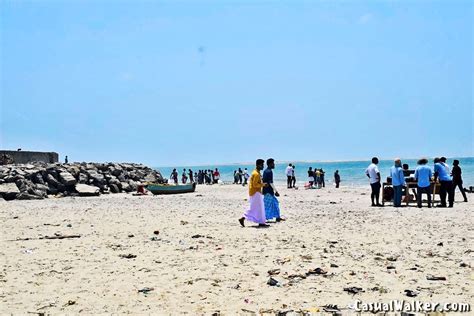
{"x": 337, "y": 178}
{"x": 272, "y": 206}
{"x": 310, "y": 176}
{"x": 457, "y": 178}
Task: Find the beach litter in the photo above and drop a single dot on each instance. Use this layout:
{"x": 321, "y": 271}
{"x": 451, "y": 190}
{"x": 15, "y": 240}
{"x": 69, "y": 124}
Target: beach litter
{"x": 411, "y": 293}
{"x": 430, "y": 277}
{"x": 146, "y": 290}
{"x": 273, "y": 271}
{"x": 273, "y": 282}
{"x": 353, "y": 290}
{"x": 128, "y": 256}
{"x": 317, "y": 271}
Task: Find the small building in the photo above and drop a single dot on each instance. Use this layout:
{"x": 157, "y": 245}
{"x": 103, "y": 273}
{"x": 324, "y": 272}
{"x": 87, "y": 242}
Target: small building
{"x": 20, "y": 156}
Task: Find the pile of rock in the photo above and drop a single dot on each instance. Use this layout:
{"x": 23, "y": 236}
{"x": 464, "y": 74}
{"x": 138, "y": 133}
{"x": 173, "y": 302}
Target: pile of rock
{"x": 38, "y": 180}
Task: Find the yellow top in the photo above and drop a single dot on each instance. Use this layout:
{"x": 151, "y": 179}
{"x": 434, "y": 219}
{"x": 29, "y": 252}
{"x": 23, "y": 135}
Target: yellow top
{"x": 255, "y": 184}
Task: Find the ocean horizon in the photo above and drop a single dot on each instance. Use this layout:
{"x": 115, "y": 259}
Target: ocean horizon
{"x": 352, "y": 172}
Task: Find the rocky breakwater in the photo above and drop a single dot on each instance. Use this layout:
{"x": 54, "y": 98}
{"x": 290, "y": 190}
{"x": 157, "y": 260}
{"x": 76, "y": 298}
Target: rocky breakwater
{"x": 40, "y": 180}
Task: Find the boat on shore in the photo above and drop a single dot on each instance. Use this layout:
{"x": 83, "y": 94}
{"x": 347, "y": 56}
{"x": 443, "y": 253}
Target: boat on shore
{"x": 170, "y": 189}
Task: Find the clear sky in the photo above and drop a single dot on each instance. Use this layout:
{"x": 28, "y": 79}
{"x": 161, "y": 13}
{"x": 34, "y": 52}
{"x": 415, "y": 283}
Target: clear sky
{"x": 196, "y": 82}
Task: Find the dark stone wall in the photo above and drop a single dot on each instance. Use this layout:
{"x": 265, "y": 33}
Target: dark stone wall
{"x": 30, "y": 156}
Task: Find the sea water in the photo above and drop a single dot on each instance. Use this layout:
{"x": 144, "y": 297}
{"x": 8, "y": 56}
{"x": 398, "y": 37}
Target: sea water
{"x": 352, "y": 172}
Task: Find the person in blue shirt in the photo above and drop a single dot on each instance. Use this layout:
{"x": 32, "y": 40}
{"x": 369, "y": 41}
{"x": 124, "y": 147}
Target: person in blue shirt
{"x": 441, "y": 171}
{"x": 398, "y": 181}
{"x": 272, "y": 206}
{"x": 423, "y": 175}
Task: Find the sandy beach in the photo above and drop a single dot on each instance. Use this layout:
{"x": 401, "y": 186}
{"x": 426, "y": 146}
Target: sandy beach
{"x": 203, "y": 262}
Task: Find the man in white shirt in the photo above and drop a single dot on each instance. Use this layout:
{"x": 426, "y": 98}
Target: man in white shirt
{"x": 289, "y": 176}
{"x": 373, "y": 174}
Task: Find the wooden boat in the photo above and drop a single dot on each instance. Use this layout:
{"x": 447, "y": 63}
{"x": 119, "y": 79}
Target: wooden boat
{"x": 170, "y": 189}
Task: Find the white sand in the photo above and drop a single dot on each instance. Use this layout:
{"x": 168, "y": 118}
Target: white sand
{"x": 226, "y": 270}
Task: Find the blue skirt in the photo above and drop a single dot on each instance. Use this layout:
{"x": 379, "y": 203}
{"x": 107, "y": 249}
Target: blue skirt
{"x": 272, "y": 206}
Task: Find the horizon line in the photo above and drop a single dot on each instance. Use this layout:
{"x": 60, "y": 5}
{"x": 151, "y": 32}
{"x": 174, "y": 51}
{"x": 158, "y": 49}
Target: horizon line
{"x": 296, "y": 162}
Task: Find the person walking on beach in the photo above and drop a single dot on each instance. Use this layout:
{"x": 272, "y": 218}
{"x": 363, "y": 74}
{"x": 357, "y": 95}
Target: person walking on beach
{"x": 289, "y": 172}
{"x": 240, "y": 174}
{"x": 423, "y": 176}
{"x": 398, "y": 181}
{"x": 256, "y": 213}
{"x": 373, "y": 174}
{"x": 321, "y": 175}
{"x": 272, "y": 206}
{"x": 337, "y": 178}
{"x": 457, "y": 179}
{"x": 441, "y": 171}
{"x": 293, "y": 177}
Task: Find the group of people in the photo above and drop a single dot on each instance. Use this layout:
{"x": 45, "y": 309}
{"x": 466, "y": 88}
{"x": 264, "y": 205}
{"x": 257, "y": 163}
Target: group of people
{"x": 241, "y": 177}
{"x": 424, "y": 177}
{"x": 201, "y": 177}
{"x": 316, "y": 178}
{"x": 263, "y": 195}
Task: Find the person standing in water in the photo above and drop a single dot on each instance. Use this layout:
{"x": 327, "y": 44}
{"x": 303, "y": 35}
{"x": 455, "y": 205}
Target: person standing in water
{"x": 256, "y": 213}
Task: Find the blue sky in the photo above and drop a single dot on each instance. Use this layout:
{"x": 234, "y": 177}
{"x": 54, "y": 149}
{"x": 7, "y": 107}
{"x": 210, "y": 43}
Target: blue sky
{"x": 196, "y": 82}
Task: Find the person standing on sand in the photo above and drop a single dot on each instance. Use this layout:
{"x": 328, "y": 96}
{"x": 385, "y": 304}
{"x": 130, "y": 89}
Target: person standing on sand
{"x": 310, "y": 177}
{"x": 337, "y": 178}
{"x": 441, "y": 171}
{"x": 322, "y": 177}
{"x": 423, "y": 176}
{"x": 293, "y": 177}
{"x": 256, "y": 213}
{"x": 398, "y": 181}
{"x": 246, "y": 177}
{"x": 240, "y": 174}
{"x": 373, "y": 174}
{"x": 457, "y": 178}
{"x": 217, "y": 176}
{"x": 288, "y": 172}
{"x": 191, "y": 179}
{"x": 272, "y": 206}
{"x": 184, "y": 177}
{"x": 174, "y": 176}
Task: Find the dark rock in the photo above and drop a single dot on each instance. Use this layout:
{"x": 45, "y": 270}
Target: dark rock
{"x": 27, "y": 196}
{"x": 51, "y": 180}
{"x": 67, "y": 179}
{"x": 9, "y": 191}
{"x": 114, "y": 188}
{"x": 83, "y": 178}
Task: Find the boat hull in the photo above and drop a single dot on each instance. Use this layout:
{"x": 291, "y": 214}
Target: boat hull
{"x": 171, "y": 189}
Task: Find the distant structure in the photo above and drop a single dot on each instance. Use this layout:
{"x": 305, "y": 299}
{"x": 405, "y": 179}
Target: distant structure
{"x": 66, "y": 160}
{"x": 20, "y": 156}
